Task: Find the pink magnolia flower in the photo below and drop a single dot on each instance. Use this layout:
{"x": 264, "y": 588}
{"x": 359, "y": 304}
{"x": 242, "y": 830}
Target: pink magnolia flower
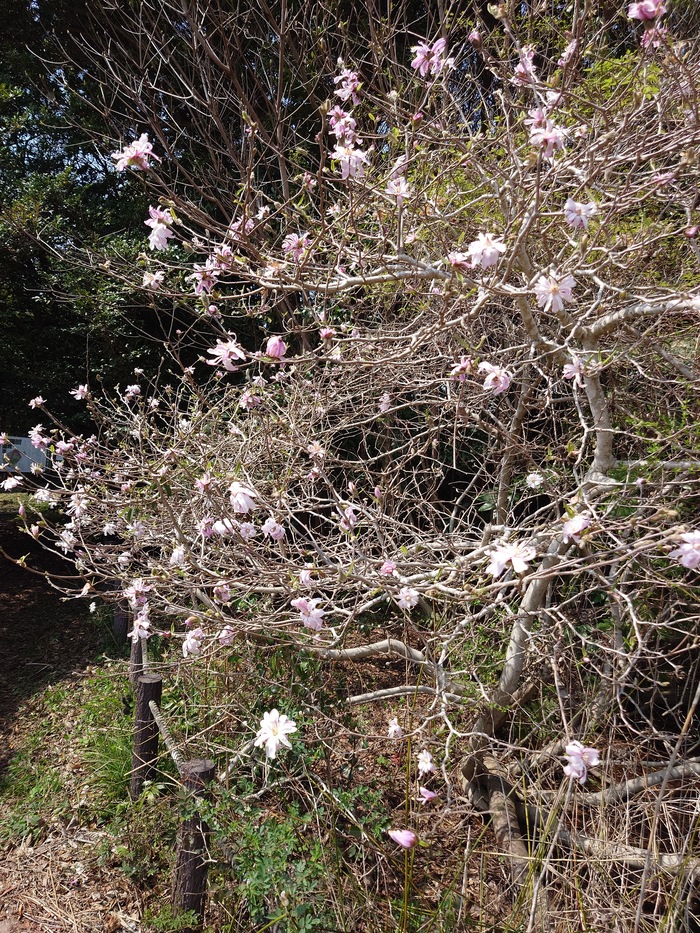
{"x": 425, "y": 763}
{"x": 553, "y": 291}
{"x": 548, "y": 137}
{"x": 273, "y": 529}
{"x": 247, "y": 530}
{"x": 407, "y": 598}
{"x": 497, "y": 379}
{"x": 484, "y": 251}
{"x": 516, "y": 554}
{"x": 348, "y": 86}
{"x": 222, "y": 592}
{"x": 205, "y": 276}
{"x": 192, "y": 645}
{"x": 296, "y": 245}
{"x": 406, "y": 838}
{"x": 153, "y": 280}
{"x": 395, "y": 731}
{"x": 159, "y": 221}
{"x": 575, "y": 370}
{"x": 352, "y": 161}
{"x": 225, "y": 353}
{"x": 568, "y": 53}
{"x": 580, "y": 759}
{"x": 310, "y": 614}
{"x": 525, "y": 71}
{"x": 242, "y": 498}
{"x": 12, "y": 482}
{"x": 571, "y": 529}
{"x": 136, "y": 155}
{"x": 342, "y": 124}
{"x": 646, "y": 10}
{"x": 577, "y": 214}
{"x": 429, "y": 58}
{"x": 275, "y": 347}
{"x": 37, "y": 402}
{"x": 426, "y": 795}
{"x": 273, "y": 732}
{"x": 399, "y": 189}
{"x": 688, "y": 553}
{"x": 461, "y": 370}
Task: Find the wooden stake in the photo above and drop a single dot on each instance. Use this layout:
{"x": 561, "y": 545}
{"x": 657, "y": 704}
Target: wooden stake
{"x": 149, "y": 687}
{"x": 191, "y": 864}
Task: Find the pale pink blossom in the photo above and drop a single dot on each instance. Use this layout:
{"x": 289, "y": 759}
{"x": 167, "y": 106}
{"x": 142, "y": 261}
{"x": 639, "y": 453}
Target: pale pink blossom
{"x": 461, "y": 370}
{"x": 572, "y": 529}
{"x": 242, "y": 498}
{"x": 205, "y": 276}
{"x": 395, "y": 731}
{"x": 275, "y": 347}
{"x": 308, "y": 610}
{"x": 273, "y": 529}
{"x": 548, "y": 137}
{"x": 425, "y": 795}
{"x": 425, "y": 763}
{"x": 574, "y": 370}
{"x": 342, "y": 124}
{"x": 688, "y": 553}
{"x": 247, "y": 530}
{"x": 273, "y": 732}
{"x": 222, "y": 592}
{"x": 352, "y": 161}
{"x": 577, "y": 214}
{"x": 192, "y": 645}
{"x": 428, "y": 59}
{"x": 153, "y": 280}
{"x": 159, "y": 221}
{"x": 407, "y": 598}
{"x": 516, "y": 554}
{"x": 399, "y": 189}
{"x": 348, "y": 86}
{"x": 646, "y": 10}
{"x": 225, "y": 353}
{"x": 406, "y": 838}
{"x": 568, "y": 53}
{"x": 497, "y": 379}
{"x": 553, "y": 291}
{"x": 525, "y": 71}
{"x": 136, "y": 155}
{"x": 580, "y": 759}
{"x": 485, "y": 249}
{"x": 296, "y": 245}
{"x": 348, "y": 518}
{"x": 12, "y": 482}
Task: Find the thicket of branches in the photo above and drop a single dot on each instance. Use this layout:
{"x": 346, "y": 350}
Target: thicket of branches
{"x": 430, "y": 390}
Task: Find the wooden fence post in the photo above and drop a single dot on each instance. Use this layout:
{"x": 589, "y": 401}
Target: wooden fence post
{"x": 149, "y": 687}
{"x": 191, "y": 865}
{"x": 135, "y": 661}
{"x": 120, "y": 625}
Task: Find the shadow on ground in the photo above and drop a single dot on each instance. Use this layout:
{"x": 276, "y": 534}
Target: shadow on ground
{"x": 43, "y": 639}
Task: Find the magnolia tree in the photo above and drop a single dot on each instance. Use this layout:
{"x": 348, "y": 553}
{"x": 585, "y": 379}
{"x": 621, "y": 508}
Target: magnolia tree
{"x": 434, "y": 399}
